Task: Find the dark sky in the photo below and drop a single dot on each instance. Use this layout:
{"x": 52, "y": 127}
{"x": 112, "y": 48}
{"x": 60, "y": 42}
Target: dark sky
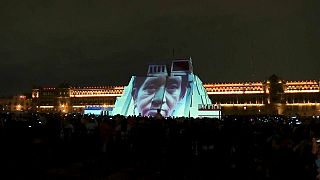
{"x": 96, "y": 42}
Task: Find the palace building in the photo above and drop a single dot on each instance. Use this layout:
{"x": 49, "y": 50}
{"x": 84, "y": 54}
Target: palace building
{"x": 273, "y": 96}
{"x": 74, "y": 99}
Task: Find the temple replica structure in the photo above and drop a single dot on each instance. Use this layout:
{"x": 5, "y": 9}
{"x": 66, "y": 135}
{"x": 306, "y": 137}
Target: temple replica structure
{"x": 175, "y": 93}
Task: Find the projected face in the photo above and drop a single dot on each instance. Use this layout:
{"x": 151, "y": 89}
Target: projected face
{"x": 162, "y": 92}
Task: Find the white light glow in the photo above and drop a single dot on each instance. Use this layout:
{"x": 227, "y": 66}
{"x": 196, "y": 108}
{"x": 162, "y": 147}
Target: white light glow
{"x": 301, "y": 91}
{"x": 46, "y": 106}
{"x": 78, "y": 106}
{"x": 302, "y": 104}
{"x": 97, "y": 95}
{"x": 228, "y": 105}
{"x": 236, "y": 92}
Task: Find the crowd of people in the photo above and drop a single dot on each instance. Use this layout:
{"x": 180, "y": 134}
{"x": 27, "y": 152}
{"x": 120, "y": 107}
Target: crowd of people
{"x": 54, "y": 146}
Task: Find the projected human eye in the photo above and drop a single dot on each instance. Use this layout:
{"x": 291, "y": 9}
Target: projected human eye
{"x": 173, "y": 85}
{"x": 150, "y": 86}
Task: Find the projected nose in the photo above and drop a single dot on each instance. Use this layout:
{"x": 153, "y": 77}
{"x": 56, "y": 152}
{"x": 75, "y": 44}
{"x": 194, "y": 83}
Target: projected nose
{"x": 158, "y": 98}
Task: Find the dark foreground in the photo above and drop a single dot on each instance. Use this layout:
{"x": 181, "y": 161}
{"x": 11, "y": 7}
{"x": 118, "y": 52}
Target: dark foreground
{"x": 53, "y": 146}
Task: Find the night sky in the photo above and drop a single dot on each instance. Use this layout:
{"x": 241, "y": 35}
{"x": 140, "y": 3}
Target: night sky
{"x": 96, "y": 42}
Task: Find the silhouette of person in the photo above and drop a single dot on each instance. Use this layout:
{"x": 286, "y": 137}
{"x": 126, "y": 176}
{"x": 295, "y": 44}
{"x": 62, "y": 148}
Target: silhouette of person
{"x": 158, "y": 115}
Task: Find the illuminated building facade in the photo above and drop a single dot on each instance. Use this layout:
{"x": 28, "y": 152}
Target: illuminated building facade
{"x": 17, "y": 103}
{"x": 73, "y": 99}
{"x": 239, "y": 98}
{"x": 270, "y": 97}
